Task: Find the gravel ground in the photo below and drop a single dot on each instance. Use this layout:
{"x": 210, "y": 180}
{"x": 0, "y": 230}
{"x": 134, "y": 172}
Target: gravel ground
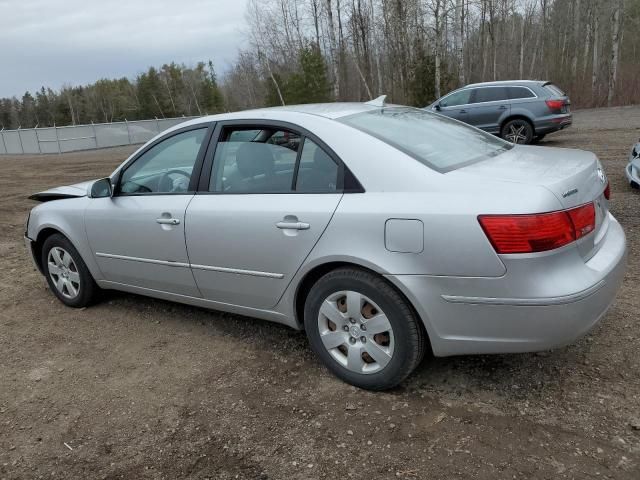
{"x": 141, "y": 388}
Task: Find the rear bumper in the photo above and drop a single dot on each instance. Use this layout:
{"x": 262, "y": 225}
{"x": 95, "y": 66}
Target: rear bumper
{"x": 531, "y": 311}
{"x": 553, "y": 123}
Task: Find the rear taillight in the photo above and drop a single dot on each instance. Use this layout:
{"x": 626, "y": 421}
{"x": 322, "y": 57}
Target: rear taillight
{"x": 538, "y": 232}
{"x": 583, "y": 219}
{"x": 555, "y": 105}
{"x": 607, "y": 191}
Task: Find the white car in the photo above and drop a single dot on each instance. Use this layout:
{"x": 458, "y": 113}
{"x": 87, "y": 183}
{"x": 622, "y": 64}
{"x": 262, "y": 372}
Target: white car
{"x": 633, "y": 168}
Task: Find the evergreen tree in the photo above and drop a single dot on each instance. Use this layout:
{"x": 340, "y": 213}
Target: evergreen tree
{"x": 310, "y": 84}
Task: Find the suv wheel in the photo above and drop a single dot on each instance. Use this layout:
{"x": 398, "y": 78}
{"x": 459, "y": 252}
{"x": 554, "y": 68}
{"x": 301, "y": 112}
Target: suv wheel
{"x": 362, "y": 329}
{"x": 517, "y": 131}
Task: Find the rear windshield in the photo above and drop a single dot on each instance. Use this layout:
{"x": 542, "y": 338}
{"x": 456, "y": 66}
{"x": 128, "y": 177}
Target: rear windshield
{"x": 554, "y": 89}
{"x": 438, "y": 142}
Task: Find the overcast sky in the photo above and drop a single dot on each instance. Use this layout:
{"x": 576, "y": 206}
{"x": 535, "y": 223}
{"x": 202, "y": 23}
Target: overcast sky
{"x": 57, "y": 42}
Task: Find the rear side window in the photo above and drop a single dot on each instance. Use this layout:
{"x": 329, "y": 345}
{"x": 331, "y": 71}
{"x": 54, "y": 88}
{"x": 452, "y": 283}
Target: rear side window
{"x": 519, "y": 92}
{"x": 436, "y": 141}
{"x": 317, "y": 172}
{"x": 490, "y": 94}
{"x": 554, "y": 90}
{"x": 271, "y": 160}
{"x": 255, "y": 161}
{"x": 456, "y": 98}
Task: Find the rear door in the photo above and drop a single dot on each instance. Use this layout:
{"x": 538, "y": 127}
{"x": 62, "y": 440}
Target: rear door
{"x": 490, "y": 105}
{"x": 265, "y": 199}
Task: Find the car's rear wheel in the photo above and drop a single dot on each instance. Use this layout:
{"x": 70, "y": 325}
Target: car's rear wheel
{"x": 66, "y": 273}
{"x": 517, "y": 130}
{"x": 362, "y": 329}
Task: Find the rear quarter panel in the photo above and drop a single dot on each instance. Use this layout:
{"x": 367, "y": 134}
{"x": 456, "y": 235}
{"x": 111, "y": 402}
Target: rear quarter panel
{"x": 454, "y": 244}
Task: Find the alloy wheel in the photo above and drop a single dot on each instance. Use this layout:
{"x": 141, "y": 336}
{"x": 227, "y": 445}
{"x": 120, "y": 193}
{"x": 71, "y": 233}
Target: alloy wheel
{"x": 64, "y": 272}
{"x": 356, "y": 332}
{"x": 517, "y": 133}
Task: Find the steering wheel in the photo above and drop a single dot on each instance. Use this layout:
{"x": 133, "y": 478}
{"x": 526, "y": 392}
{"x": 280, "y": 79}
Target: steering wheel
{"x": 166, "y": 183}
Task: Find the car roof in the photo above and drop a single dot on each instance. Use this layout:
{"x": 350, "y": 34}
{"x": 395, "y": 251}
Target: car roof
{"x": 326, "y": 110}
{"x": 507, "y": 82}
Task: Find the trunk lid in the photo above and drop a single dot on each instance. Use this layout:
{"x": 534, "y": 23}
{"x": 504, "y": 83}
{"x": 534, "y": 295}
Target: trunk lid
{"x": 575, "y": 177}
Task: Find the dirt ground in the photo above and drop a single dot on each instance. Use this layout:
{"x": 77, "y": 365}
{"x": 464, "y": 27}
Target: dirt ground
{"x": 140, "y": 388}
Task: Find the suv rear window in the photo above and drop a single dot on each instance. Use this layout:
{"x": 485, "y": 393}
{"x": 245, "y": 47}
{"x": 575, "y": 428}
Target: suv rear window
{"x": 519, "y": 92}
{"x": 554, "y": 90}
{"x": 436, "y": 141}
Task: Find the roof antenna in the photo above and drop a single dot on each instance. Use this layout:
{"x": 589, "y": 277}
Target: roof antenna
{"x": 377, "y": 102}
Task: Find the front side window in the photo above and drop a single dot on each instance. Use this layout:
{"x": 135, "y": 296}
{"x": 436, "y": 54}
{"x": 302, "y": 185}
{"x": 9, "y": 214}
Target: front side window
{"x": 490, "y": 94}
{"x": 166, "y": 167}
{"x": 434, "y": 140}
{"x": 256, "y": 161}
{"x": 456, "y": 98}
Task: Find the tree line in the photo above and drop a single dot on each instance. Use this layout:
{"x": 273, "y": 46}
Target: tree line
{"x": 302, "y": 51}
{"x": 170, "y": 91}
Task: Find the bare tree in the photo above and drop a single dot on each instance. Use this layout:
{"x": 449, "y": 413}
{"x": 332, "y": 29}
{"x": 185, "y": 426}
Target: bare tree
{"x": 595, "y": 65}
{"x": 615, "y": 48}
{"x": 335, "y": 59}
{"x": 459, "y": 36}
{"x": 576, "y": 38}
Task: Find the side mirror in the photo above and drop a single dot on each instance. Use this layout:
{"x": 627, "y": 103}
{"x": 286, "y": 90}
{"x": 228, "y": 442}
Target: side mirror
{"x": 436, "y": 107}
{"x": 101, "y": 188}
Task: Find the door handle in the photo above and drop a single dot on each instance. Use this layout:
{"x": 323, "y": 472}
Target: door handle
{"x": 168, "y": 221}
{"x": 463, "y": 111}
{"x": 502, "y": 107}
{"x": 293, "y": 226}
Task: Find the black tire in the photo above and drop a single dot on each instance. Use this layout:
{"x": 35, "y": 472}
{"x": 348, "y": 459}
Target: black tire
{"x": 87, "y": 290}
{"x": 408, "y": 335}
{"x": 518, "y": 131}
{"x": 538, "y": 138}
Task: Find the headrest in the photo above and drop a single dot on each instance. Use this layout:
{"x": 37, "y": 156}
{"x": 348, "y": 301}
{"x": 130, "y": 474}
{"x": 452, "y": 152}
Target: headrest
{"x": 254, "y": 159}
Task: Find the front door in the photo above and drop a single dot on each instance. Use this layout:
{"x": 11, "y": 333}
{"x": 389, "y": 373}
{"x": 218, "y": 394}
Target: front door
{"x": 490, "y": 106}
{"x": 455, "y": 105}
{"x": 137, "y": 236}
{"x": 270, "y": 197}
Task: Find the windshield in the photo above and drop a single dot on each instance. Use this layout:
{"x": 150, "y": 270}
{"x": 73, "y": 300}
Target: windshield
{"x": 438, "y": 142}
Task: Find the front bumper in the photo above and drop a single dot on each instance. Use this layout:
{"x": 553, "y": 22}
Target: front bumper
{"x": 534, "y": 309}
{"x": 28, "y": 243}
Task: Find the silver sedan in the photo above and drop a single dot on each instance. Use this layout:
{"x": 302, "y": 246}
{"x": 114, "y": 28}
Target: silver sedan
{"x": 384, "y": 232}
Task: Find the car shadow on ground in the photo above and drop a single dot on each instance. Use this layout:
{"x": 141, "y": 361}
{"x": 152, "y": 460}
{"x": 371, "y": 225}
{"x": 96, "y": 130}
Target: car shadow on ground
{"x": 519, "y": 375}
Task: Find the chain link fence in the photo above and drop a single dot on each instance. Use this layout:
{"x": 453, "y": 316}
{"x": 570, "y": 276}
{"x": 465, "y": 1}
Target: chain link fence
{"x": 82, "y": 137}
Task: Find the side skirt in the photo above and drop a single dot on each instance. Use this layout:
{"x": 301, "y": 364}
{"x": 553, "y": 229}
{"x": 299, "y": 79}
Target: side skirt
{"x": 269, "y": 315}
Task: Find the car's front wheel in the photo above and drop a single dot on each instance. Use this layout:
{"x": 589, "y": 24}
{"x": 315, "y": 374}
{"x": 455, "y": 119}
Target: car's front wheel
{"x": 362, "y": 329}
{"x": 66, "y": 273}
{"x": 517, "y": 131}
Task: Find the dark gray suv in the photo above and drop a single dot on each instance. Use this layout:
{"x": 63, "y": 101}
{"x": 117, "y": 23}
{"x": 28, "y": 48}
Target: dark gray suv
{"x": 520, "y": 111}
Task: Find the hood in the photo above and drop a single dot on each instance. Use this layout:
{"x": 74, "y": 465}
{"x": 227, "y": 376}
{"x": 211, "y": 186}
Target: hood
{"x": 58, "y": 193}
{"x": 574, "y": 176}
